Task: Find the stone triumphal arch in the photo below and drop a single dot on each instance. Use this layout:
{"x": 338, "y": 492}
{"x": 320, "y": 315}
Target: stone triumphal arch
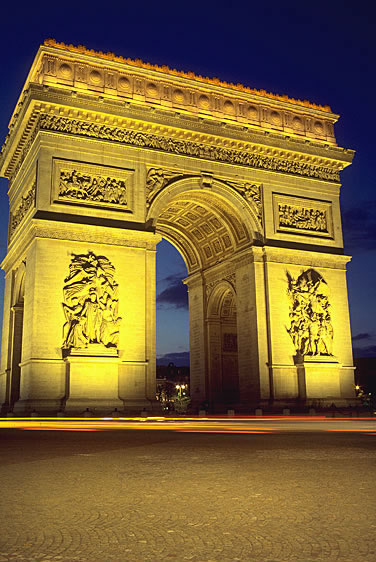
{"x": 107, "y": 155}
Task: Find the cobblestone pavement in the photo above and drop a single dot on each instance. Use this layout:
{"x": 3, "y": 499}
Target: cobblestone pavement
{"x": 161, "y": 496}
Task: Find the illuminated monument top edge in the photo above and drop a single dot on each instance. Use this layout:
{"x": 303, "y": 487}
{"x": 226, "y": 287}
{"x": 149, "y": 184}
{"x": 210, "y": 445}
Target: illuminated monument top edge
{"x": 167, "y": 70}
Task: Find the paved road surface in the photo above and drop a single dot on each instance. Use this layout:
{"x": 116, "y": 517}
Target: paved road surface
{"x": 203, "y": 490}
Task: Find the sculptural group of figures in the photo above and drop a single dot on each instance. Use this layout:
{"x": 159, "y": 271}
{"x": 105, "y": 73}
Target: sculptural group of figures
{"x": 311, "y": 329}
{"x": 76, "y": 185}
{"x": 298, "y": 217}
{"x": 90, "y": 303}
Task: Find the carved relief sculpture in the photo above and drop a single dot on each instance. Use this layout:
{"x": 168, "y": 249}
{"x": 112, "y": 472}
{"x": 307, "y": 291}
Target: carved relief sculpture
{"x": 157, "y": 179}
{"x": 302, "y": 218}
{"x": 90, "y": 303}
{"x": 92, "y": 187}
{"x": 26, "y": 203}
{"x": 310, "y": 328}
{"x": 252, "y": 193}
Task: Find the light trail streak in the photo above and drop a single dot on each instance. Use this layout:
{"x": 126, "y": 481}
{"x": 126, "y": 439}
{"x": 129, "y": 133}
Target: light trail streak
{"x": 196, "y": 424}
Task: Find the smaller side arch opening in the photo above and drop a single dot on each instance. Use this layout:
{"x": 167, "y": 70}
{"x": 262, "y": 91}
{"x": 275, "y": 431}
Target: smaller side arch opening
{"x": 222, "y": 340}
{"x": 17, "y": 317}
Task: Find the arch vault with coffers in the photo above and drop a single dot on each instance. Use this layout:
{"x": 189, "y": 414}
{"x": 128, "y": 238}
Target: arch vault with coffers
{"x": 104, "y": 157}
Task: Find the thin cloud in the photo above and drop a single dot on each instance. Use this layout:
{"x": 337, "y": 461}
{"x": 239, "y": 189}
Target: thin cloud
{"x": 175, "y": 295}
{"x": 174, "y": 277}
{"x": 362, "y": 336}
{"x": 180, "y": 359}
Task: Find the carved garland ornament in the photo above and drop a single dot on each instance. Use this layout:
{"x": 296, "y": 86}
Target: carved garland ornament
{"x": 189, "y": 148}
{"x": 310, "y": 328}
{"x": 302, "y": 218}
{"x": 27, "y": 202}
{"x": 90, "y": 303}
{"x": 92, "y": 187}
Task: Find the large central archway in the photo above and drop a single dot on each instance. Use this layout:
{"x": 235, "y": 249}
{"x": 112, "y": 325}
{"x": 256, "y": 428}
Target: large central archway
{"x": 211, "y": 228}
{"x": 207, "y": 225}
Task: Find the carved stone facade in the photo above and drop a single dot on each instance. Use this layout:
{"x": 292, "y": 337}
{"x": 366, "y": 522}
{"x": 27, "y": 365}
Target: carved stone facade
{"x": 253, "y": 194}
{"x": 106, "y": 156}
{"x": 81, "y": 183}
{"x": 200, "y": 94}
{"x": 303, "y": 216}
{"x": 159, "y": 178}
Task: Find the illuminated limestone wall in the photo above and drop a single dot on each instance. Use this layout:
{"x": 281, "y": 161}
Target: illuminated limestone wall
{"x": 104, "y": 157}
{"x": 312, "y": 376}
{"x": 44, "y": 370}
{"x": 100, "y": 379}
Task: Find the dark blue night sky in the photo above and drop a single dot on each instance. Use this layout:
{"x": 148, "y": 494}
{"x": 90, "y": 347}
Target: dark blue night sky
{"x": 321, "y": 51}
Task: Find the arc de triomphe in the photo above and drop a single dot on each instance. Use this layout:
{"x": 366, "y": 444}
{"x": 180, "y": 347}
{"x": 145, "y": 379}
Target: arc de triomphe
{"x": 107, "y": 155}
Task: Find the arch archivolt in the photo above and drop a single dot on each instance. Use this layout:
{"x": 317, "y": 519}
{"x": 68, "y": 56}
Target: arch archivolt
{"x": 207, "y": 223}
{"x": 216, "y": 295}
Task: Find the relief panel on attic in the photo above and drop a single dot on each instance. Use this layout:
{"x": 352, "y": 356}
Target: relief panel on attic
{"x": 302, "y": 216}
{"x": 85, "y": 184}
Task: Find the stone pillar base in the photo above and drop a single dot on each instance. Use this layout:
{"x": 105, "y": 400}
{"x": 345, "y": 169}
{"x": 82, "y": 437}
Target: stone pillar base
{"x": 43, "y": 407}
{"x": 318, "y": 378}
{"x": 93, "y": 383}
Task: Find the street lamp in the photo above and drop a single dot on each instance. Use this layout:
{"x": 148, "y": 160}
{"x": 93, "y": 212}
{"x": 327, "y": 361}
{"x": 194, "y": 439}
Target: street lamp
{"x": 180, "y": 388}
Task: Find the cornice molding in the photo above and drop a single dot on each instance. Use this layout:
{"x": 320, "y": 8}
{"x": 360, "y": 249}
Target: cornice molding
{"x": 82, "y": 73}
{"x": 63, "y": 101}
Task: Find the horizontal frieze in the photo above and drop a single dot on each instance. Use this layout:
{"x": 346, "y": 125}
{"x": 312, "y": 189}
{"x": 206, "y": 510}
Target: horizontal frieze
{"x": 184, "y": 147}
